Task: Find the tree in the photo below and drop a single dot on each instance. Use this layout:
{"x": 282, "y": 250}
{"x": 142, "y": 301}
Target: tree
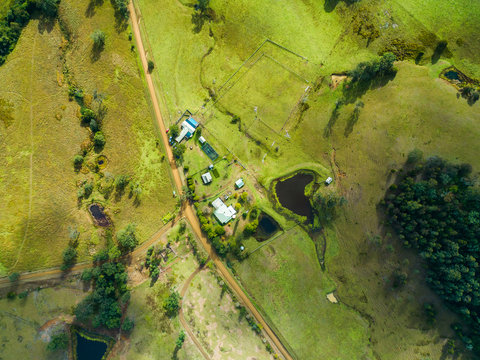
{"x": 250, "y": 228}
{"x": 202, "y": 5}
{"x": 58, "y": 342}
{"x": 98, "y": 37}
{"x": 48, "y": 8}
{"x": 414, "y": 156}
{"x": 69, "y": 257}
{"x": 94, "y": 126}
{"x": 126, "y": 238}
{"x": 121, "y": 8}
{"x": 128, "y": 325}
{"x": 99, "y": 140}
{"x": 13, "y": 277}
{"x": 172, "y": 304}
{"x": 87, "y": 188}
{"x": 178, "y": 152}
{"x": 87, "y": 115}
{"x": 77, "y": 161}
{"x": 174, "y": 131}
{"x": 180, "y": 340}
{"x": 151, "y": 66}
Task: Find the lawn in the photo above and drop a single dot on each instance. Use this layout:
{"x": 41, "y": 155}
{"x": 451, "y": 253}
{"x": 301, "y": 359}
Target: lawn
{"x": 42, "y": 133}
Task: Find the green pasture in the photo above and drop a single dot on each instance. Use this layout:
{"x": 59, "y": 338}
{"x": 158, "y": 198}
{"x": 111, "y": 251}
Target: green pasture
{"x": 40, "y": 134}
{"x": 21, "y": 321}
{"x": 284, "y": 278}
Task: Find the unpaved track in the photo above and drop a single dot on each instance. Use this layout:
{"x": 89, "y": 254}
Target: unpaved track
{"x": 190, "y": 333}
{"x": 188, "y": 211}
{"x": 56, "y": 273}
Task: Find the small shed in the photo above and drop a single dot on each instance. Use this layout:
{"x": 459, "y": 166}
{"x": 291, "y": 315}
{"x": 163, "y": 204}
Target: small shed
{"x": 207, "y": 178}
{"x": 328, "y": 181}
{"x": 239, "y": 183}
{"x": 202, "y": 140}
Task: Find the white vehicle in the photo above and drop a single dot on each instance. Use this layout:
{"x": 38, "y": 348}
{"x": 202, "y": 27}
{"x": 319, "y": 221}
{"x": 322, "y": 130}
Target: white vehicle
{"x": 328, "y": 181}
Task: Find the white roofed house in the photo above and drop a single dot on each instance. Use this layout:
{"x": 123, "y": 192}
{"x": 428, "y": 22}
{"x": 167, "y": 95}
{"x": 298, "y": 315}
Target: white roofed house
{"x": 222, "y": 212}
{"x": 188, "y": 127}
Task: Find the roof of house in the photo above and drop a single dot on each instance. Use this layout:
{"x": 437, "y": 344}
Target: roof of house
{"x": 217, "y": 203}
{"x": 182, "y": 134}
{"x": 192, "y": 122}
{"x": 206, "y": 178}
{"x": 188, "y": 126}
{"x": 225, "y": 213}
{"x": 239, "y": 183}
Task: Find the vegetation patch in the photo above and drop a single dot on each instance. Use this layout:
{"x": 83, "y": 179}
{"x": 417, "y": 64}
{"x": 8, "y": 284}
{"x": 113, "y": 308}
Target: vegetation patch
{"x": 435, "y": 208}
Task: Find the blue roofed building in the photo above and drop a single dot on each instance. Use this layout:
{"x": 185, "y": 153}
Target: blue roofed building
{"x": 188, "y": 128}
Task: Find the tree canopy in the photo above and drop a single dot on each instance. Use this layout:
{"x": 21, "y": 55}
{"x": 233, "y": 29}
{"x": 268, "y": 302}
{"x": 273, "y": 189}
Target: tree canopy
{"x": 435, "y": 209}
{"x": 126, "y": 238}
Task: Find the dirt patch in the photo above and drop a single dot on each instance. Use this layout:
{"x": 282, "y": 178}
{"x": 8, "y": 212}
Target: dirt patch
{"x": 331, "y": 297}
{"x": 336, "y": 80}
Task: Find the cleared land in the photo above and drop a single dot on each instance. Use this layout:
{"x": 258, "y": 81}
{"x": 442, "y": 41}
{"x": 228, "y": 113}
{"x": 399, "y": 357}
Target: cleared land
{"x": 42, "y": 133}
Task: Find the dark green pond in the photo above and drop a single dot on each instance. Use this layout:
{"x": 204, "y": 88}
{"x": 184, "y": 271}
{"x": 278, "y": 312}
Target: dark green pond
{"x": 452, "y": 75}
{"x": 89, "y": 349}
{"x": 291, "y": 194}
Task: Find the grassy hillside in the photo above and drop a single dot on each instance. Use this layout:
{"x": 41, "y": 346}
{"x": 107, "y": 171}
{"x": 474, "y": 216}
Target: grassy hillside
{"x": 41, "y": 133}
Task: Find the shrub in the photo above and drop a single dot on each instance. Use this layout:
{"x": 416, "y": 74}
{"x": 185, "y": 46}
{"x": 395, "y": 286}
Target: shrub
{"x": 98, "y": 37}
{"x": 99, "y": 139}
{"x": 77, "y": 161}
{"x": 126, "y": 238}
{"x": 151, "y": 66}
{"x": 58, "y": 342}
{"x": 13, "y": 277}
{"x": 250, "y": 228}
{"x": 69, "y": 257}
{"x": 172, "y": 304}
{"x": 127, "y": 325}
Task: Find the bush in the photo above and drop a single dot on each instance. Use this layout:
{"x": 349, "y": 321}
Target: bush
{"x": 69, "y": 257}
{"x": 87, "y": 115}
{"x": 86, "y": 275}
{"x": 127, "y": 325}
{"x": 250, "y": 228}
{"x": 151, "y": 66}
{"x": 99, "y": 140}
{"x": 13, "y": 277}
{"x": 172, "y": 304}
{"x": 77, "y": 161}
{"x": 94, "y": 126}
{"x": 58, "y": 342}
{"x": 98, "y": 37}
{"x": 126, "y": 238}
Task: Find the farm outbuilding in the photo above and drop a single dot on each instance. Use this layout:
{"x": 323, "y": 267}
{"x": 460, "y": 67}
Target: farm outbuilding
{"x": 207, "y": 178}
{"x": 239, "y": 183}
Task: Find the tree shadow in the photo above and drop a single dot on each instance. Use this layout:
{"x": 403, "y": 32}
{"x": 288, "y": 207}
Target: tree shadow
{"x": 327, "y": 131}
{"x": 351, "y": 92}
{"x": 90, "y": 11}
{"x": 439, "y": 50}
{"x": 330, "y": 5}
{"x": 96, "y": 52}
{"x": 353, "y": 119}
{"x": 198, "y": 20}
{"x": 45, "y": 24}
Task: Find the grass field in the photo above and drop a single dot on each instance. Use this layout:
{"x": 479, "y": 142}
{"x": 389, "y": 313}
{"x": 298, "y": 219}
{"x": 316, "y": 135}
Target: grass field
{"x": 291, "y": 279}
{"x": 21, "y": 320}
{"x": 42, "y": 133}
{"x": 218, "y": 324}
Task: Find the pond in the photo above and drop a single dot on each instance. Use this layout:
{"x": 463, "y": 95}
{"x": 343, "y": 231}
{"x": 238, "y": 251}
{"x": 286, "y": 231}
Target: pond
{"x": 99, "y": 215}
{"x": 90, "y": 349}
{"x": 267, "y": 226}
{"x": 452, "y": 75}
{"x": 291, "y": 194}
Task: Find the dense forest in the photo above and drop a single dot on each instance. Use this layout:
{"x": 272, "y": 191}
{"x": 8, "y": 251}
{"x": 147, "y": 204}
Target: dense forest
{"x": 435, "y": 208}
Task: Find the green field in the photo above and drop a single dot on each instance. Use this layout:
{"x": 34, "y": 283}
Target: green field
{"x": 22, "y": 322}
{"x": 415, "y": 109}
{"x": 41, "y": 133}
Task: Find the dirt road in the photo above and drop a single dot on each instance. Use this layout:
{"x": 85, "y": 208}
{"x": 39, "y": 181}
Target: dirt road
{"x": 57, "y": 274}
{"x": 188, "y": 209}
{"x": 184, "y": 323}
